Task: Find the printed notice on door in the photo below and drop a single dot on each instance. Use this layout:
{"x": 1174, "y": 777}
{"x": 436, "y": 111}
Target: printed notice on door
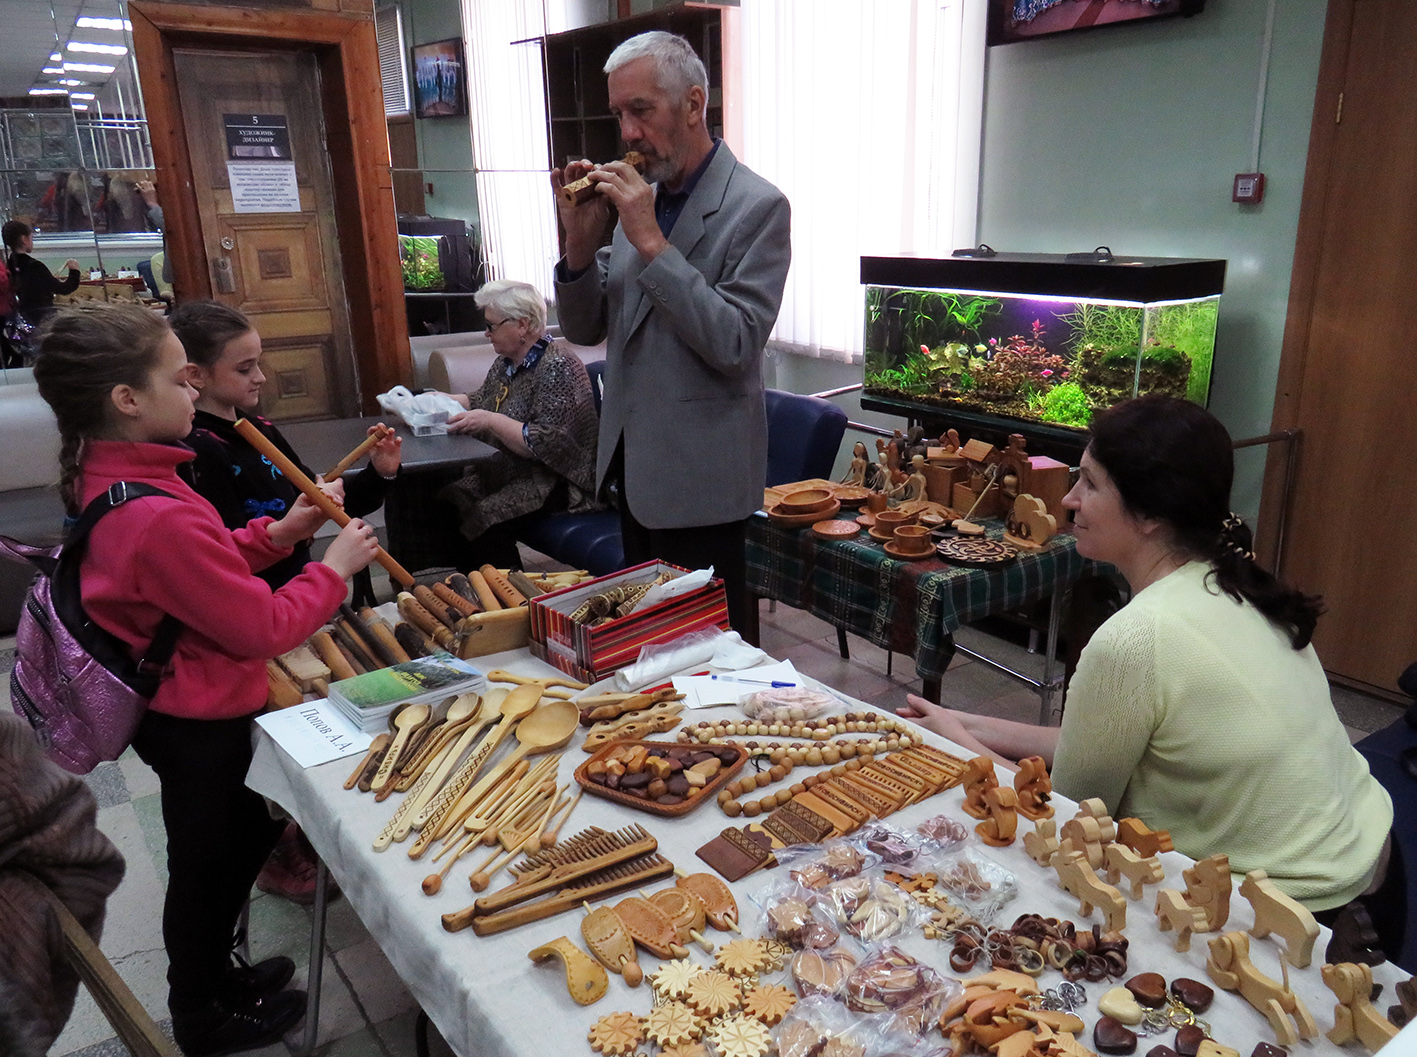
{"x": 258, "y": 162}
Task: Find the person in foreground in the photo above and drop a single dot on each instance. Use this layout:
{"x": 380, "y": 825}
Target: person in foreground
{"x": 536, "y": 407}
{"x": 118, "y": 381}
{"x": 1201, "y": 707}
{"x": 685, "y": 297}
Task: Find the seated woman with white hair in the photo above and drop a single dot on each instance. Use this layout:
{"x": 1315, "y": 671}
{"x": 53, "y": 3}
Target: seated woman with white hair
{"x": 536, "y": 407}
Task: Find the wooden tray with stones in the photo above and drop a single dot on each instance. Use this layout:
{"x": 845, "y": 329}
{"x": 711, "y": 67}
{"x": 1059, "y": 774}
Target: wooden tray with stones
{"x": 975, "y": 552}
{"x": 668, "y": 804}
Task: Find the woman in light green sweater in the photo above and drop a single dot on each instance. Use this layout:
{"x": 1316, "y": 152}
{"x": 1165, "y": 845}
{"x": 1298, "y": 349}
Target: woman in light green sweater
{"x": 1201, "y": 707}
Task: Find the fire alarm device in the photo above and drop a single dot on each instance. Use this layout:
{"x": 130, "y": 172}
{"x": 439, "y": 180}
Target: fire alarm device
{"x": 1249, "y": 188}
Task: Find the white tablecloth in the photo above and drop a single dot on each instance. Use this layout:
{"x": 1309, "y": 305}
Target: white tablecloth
{"x": 489, "y": 1000}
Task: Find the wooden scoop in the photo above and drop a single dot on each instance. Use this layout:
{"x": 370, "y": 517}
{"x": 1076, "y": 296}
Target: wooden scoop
{"x": 719, "y": 905}
{"x": 684, "y": 909}
{"x": 501, "y": 675}
{"x": 605, "y": 937}
{"x": 548, "y": 727}
{"x": 470, "y": 708}
{"x": 650, "y": 927}
{"x": 404, "y": 721}
{"x": 376, "y": 749}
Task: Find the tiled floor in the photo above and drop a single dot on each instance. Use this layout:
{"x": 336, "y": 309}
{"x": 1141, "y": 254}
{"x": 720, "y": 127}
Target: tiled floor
{"x": 365, "y": 1010}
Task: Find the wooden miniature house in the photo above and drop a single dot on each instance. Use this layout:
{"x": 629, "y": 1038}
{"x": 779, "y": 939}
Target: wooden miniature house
{"x": 1036, "y": 475}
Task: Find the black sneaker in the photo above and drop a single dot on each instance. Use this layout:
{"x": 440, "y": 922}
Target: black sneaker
{"x": 222, "y": 1027}
{"x": 245, "y": 982}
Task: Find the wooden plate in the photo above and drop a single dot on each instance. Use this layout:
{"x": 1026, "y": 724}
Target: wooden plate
{"x": 975, "y": 552}
{"x": 836, "y": 530}
{"x": 780, "y": 517}
{"x": 867, "y": 520}
{"x": 884, "y": 535}
{"x": 851, "y": 496}
{"x": 893, "y": 549}
{"x": 806, "y": 501}
{"x": 706, "y": 795}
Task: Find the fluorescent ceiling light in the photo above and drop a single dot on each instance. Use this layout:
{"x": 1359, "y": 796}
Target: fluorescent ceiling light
{"x": 52, "y": 69}
{"x": 54, "y": 56}
{"x": 96, "y": 49}
{"x": 49, "y": 91}
{"x": 79, "y": 106}
{"x": 73, "y": 83}
{"x": 80, "y": 95}
{"x": 88, "y": 22}
{"x": 88, "y": 67}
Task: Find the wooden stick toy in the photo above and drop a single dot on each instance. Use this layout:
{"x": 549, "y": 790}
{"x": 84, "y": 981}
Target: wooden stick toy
{"x": 380, "y": 432}
{"x": 433, "y": 883}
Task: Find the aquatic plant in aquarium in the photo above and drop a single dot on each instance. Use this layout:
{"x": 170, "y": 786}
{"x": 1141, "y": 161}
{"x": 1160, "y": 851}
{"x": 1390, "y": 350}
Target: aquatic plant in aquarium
{"x": 419, "y": 256}
{"x": 1039, "y": 338}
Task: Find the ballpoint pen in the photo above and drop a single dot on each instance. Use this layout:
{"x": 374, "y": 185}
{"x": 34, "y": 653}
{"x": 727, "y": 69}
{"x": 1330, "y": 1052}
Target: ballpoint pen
{"x": 774, "y": 683}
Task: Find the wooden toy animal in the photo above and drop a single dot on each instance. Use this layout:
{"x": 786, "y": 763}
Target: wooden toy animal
{"x": 1123, "y": 862}
{"x": 1000, "y": 828}
{"x": 1042, "y": 843}
{"x": 1133, "y": 832}
{"x": 1230, "y": 967}
{"x": 1354, "y": 938}
{"x": 1034, "y": 788}
{"x": 1355, "y": 1017}
{"x": 1078, "y": 878}
{"x": 1173, "y": 912}
{"x": 978, "y": 779}
{"x": 1089, "y": 830}
{"x": 1208, "y": 887}
{"x": 1283, "y": 915}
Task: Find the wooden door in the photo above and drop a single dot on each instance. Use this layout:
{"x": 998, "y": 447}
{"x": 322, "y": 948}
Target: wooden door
{"x": 277, "y": 261}
{"x": 1347, "y": 377}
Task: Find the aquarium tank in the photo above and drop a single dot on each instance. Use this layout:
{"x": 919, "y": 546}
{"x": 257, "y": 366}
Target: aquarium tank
{"x": 1036, "y": 343}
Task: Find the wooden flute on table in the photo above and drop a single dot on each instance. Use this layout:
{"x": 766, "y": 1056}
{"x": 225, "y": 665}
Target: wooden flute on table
{"x": 578, "y": 191}
{"x": 312, "y": 491}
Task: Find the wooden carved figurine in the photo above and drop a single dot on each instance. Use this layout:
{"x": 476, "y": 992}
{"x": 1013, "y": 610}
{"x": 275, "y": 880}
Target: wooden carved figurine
{"x": 1034, "y": 788}
{"x": 879, "y": 475}
{"x": 949, "y": 442}
{"x": 999, "y": 828}
{"x": 1088, "y": 831}
{"x": 1042, "y": 843}
{"x": 1173, "y": 912}
{"x": 1355, "y": 1017}
{"x": 1077, "y": 878}
{"x": 1230, "y": 967}
{"x": 978, "y": 779}
{"x": 859, "y": 463}
{"x": 1133, "y": 832}
{"x": 1029, "y": 526}
{"x": 1354, "y": 938}
{"x": 1208, "y": 887}
{"x": 914, "y": 486}
{"x": 1283, "y": 915}
{"x": 1123, "y": 862}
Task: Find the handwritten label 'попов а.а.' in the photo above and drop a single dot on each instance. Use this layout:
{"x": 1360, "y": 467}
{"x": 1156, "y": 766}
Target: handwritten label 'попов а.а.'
{"x": 314, "y": 733}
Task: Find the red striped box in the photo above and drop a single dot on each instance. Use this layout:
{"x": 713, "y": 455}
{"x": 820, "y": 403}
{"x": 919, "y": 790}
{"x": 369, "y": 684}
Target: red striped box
{"x": 590, "y": 654}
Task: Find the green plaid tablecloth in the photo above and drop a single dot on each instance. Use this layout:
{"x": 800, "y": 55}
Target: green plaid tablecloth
{"x": 903, "y": 606}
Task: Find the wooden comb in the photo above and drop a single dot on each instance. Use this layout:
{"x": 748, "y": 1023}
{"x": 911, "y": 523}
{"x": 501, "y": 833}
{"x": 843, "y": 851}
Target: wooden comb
{"x": 650, "y": 927}
{"x": 558, "y": 853}
{"x": 602, "y": 883}
{"x": 719, "y": 904}
{"x": 609, "y": 849}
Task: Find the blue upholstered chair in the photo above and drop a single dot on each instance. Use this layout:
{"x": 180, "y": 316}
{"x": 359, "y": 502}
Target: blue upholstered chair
{"x": 804, "y": 433}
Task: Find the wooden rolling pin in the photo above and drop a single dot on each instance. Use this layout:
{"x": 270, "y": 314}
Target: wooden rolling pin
{"x": 576, "y": 192}
{"x": 331, "y": 509}
{"x": 380, "y": 432}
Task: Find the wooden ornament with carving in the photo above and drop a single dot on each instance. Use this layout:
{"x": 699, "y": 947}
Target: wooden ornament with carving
{"x": 978, "y": 779}
{"x": 742, "y": 1036}
{"x": 687, "y": 914}
{"x": 585, "y": 977}
{"x": 719, "y": 904}
{"x": 616, "y": 1034}
{"x": 685, "y": 1049}
{"x": 672, "y": 1024}
{"x": 1029, "y": 526}
{"x": 769, "y": 1004}
{"x": 672, "y": 979}
{"x": 606, "y": 937}
{"x": 1208, "y": 887}
{"x": 713, "y": 994}
{"x": 1042, "y": 844}
{"x": 742, "y": 957}
{"x": 650, "y": 927}
{"x": 1229, "y": 965}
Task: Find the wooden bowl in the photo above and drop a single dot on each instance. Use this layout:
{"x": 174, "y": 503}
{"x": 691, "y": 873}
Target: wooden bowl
{"x": 914, "y": 539}
{"x": 852, "y": 496}
{"x": 836, "y": 530}
{"x": 889, "y": 519}
{"x": 807, "y": 501}
{"x": 778, "y": 516}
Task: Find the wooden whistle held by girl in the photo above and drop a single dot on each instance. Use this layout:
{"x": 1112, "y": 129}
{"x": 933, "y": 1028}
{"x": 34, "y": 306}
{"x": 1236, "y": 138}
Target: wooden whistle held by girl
{"x": 119, "y": 383}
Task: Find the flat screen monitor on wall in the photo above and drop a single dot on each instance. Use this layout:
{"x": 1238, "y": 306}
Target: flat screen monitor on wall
{"x": 1011, "y": 21}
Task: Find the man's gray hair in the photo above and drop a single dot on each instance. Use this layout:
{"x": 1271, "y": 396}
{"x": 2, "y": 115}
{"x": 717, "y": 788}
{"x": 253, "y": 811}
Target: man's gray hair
{"x": 514, "y": 300}
{"x": 675, "y": 61}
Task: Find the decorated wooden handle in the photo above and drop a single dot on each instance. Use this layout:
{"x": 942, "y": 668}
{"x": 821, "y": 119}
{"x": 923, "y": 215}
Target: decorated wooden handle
{"x": 380, "y": 432}
{"x": 330, "y": 508}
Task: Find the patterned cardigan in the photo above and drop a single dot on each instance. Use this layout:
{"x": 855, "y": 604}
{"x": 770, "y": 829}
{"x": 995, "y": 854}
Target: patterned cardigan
{"x": 554, "y": 399}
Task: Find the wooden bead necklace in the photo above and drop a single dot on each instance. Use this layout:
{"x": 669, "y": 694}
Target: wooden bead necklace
{"x": 814, "y": 730}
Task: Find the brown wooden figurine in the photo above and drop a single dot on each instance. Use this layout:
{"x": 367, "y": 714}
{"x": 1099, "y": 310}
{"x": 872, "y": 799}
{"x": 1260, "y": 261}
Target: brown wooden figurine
{"x": 1078, "y": 878}
{"x": 1133, "y": 832}
{"x": 1173, "y": 912}
{"x": 1000, "y": 826}
{"x": 1283, "y": 915}
{"x": 1034, "y": 788}
{"x": 1208, "y": 887}
{"x": 1088, "y": 831}
{"x": 1230, "y": 967}
{"x": 1123, "y": 862}
{"x": 978, "y": 779}
{"x": 1355, "y": 1016}
{"x": 1042, "y": 843}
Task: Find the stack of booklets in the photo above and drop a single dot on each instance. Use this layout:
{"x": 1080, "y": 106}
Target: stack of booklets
{"x": 366, "y": 700}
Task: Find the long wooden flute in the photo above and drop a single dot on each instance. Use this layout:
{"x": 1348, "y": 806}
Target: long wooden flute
{"x": 380, "y": 432}
{"x": 312, "y": 491}
{"x": 578, "y": 191}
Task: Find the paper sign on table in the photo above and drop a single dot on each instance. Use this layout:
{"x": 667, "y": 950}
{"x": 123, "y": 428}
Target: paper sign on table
{"x": 314, "y": 733}
{"x": 704, "y": 691}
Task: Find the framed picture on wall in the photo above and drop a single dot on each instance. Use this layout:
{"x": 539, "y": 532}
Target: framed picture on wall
{"x": 1011, "y": 21}
{"x": 439, "y": 79}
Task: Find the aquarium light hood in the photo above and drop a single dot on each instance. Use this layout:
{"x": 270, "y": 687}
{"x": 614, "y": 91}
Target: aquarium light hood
{"x": 1055, "y": 275}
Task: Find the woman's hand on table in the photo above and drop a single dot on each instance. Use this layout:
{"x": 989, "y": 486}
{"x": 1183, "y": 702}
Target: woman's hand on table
{"x": 951, "y": 724}
{"x": 1005, "y": 740}
{"x": 475, "y": 421}
{"x": 387, "y": 455}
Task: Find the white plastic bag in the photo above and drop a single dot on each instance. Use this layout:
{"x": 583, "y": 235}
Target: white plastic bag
{"x": 425, "y": 414}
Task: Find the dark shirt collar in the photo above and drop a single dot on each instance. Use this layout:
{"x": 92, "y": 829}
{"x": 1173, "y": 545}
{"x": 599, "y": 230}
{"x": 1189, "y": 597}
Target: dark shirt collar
{"x": 669, "y": 204}
{"x": 529, "y": 361}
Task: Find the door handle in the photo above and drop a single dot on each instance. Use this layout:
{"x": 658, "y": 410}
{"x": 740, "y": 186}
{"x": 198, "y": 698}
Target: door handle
{"x": 223, "y": 275}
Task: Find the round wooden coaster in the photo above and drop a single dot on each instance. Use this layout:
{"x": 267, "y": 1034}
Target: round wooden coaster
{"x": 836, "y": 530}
{"x": 970, "y": 551}
{"x": 893, "y": 549}
{"x": 867, "y": 520}
{"x": 884, "y": 535}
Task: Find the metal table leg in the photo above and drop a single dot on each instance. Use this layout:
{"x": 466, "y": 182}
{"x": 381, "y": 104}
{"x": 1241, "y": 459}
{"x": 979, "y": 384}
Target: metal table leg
{"x": 1050, "y": 662}
{"x": 317, "y": 959}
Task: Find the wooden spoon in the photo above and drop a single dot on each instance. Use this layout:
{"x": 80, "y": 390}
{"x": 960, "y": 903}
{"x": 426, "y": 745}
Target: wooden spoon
{"x": 404, "y": 721}
{"x": 548, "y": 727}
{"x": 469, "y": 708}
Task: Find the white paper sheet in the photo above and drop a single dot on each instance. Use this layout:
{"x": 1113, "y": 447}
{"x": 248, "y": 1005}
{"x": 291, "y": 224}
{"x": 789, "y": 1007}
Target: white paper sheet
{"x": 704, "y": 691}
{"x": 314, "y": 733}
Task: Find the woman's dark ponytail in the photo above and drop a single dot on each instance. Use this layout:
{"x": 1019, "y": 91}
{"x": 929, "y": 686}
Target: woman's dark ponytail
{"x": 1172, "y": 460}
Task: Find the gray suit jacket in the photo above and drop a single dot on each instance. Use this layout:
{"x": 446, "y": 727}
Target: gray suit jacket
{"x": 684, "y": 345}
